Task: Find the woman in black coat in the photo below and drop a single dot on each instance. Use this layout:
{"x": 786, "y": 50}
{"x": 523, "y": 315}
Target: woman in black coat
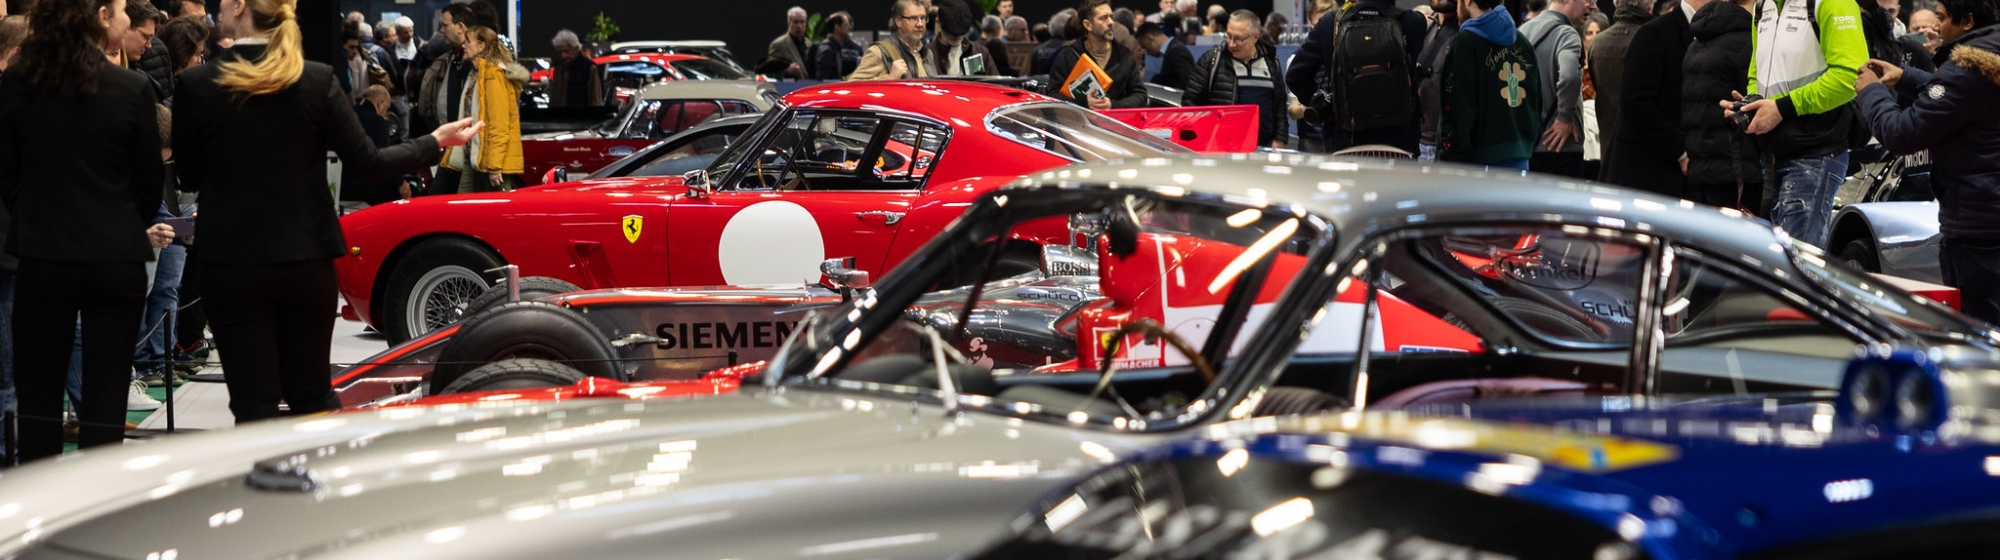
{"x": 80, "y": 168}
{"x": 251, "y": 133}
{"x": 1722, "y": 168}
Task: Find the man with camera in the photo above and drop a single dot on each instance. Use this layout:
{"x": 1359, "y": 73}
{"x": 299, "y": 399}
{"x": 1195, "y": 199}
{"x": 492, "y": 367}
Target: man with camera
{"x": 1953, "y": 116}
{"x": 1807, "y": 54}
{"x": 1243, "y": 72}
{"x": 1373, "y": 100}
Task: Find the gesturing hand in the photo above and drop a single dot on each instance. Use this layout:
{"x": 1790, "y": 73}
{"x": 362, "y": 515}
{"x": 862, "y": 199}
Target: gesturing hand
{"x": 458, "y": 132}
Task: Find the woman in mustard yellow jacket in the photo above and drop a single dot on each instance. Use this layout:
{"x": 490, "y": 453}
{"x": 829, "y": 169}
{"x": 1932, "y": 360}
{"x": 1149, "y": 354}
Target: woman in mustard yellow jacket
{"x": 492, "y": 160}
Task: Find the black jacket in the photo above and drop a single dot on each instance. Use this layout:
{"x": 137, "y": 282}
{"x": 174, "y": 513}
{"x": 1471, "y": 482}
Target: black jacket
{"x": 1128, "y": 76}
{"x": 1429, "y": 95}
{"x": 1214, "y": 83}
{"x": 155, "y": 64}
{"x": 1176, "y": 65}
{"x": 997, "y": 56}
{"x": 260, "y": 163}
{"x": 834, "y": 59}
{"x": 1955, "y": 117}
{"x": 1045, "y": 54}
{"x": 1648, "y": 150}
{"x": 1883, "y": 43}
{"x": 576, "y": 83}
{"x": 1307, "y": 73}
{"x": 1607, "y": 74}
{"x": 81, "y": 174}
{"x": 1712, "y": 68}
{"x": 1314, "y": 57}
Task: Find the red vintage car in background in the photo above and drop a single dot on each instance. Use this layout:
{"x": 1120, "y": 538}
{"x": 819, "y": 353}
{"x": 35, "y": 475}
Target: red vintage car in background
{"x": 660, "y": 110}
{"x": 636, "y": 70}
{"x": 868, "y": 170}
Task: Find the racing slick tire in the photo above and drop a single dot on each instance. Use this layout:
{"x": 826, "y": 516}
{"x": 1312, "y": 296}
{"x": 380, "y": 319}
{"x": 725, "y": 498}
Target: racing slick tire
{"x": 430, "y": 287}
{"x": 516, "y": 374}
{"x": 525, "y": 329}
{"x": 1861, "y": 254}
{"x": 532, "y": 288}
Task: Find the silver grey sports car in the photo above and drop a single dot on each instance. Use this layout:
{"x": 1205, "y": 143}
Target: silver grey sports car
{"x": 1230, "y": 288}
{"x": 1887, "y": 219}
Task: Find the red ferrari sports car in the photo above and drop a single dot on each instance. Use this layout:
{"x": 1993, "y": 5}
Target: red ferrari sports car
{"x": 869, "y": 170}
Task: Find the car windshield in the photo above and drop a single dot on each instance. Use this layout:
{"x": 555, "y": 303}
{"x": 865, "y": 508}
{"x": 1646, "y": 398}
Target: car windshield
{"x": 1908, "y": 311}
{"x": 735, "y": 153}
{"x": 1126, "y": 326}
{"x": 705, "y": 69}
{"x": 1074, "y": 133}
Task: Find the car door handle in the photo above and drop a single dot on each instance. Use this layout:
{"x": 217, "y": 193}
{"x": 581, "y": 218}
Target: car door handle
{"x": 888, "y": 218}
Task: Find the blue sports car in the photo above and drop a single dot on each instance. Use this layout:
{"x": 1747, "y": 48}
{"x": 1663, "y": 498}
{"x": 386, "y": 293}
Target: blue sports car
{"x": 1900, "y": 462}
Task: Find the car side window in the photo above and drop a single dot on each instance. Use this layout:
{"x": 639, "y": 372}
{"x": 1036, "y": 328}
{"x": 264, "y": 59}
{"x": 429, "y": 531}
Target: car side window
{"x": 1568, "y": 288}
{"x": 675, "y": 116}
{"x": 841, "y": 151}
{"x": 632, "y": 74}
{"x": 1725, "y": 333}
{"x": 910, "y": 153}
{"x": 695, "y": 154}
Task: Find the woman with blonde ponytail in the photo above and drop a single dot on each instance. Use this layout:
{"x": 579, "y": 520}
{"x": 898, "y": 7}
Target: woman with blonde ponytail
{"x": 251, "y": 134}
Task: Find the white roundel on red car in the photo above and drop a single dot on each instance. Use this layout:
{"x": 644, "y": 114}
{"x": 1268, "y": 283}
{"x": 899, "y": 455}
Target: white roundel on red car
{"x": 771, "y": 242}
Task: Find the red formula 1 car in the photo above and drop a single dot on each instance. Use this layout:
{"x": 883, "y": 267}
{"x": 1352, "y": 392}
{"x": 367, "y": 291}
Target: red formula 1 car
{"x": 867, "y": 170}
{"x": 661, "y": 110}
{"x": 650, "y": 343}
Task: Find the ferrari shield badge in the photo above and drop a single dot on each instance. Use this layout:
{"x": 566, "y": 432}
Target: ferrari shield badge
{"x": 632, "y": 225}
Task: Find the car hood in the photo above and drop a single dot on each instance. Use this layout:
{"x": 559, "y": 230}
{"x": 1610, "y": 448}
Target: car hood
{"x": 763, "y": 473}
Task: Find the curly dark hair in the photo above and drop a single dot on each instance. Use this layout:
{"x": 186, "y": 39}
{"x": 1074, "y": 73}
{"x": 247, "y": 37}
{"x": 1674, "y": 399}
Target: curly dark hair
{"x": 65, "y": 51}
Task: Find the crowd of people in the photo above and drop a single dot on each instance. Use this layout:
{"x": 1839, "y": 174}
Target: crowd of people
{"x": 1746, "y": 104}
{"x": 109, "y": 112}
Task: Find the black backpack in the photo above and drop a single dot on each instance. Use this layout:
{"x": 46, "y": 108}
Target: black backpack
{"x": 1371, "y": 70}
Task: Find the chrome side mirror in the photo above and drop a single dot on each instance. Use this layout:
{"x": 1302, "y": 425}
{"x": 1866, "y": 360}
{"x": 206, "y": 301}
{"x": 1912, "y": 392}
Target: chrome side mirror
{"x": 840, "y": 273}
{"x": 697, "y": 184}
{"x": 1085, "y": 227}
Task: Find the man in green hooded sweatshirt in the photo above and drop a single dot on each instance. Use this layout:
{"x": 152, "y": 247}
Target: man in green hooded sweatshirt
{"x": 1491, "y": 94}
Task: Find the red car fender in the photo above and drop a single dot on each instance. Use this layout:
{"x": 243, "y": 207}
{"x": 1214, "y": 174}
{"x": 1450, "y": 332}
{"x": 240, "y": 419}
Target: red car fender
{"x": 942, "y": 204}
{"x": 577, "y": 235}
{"x": 1209, "y": 130}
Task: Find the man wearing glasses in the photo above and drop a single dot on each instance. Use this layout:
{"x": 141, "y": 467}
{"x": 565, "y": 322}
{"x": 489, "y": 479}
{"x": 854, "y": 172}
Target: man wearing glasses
{"x": 1244, "y": 72}
{"x": 789, "y": 49}
{"x": 1127, "y": 79}
{"x": 901, "y": 56}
